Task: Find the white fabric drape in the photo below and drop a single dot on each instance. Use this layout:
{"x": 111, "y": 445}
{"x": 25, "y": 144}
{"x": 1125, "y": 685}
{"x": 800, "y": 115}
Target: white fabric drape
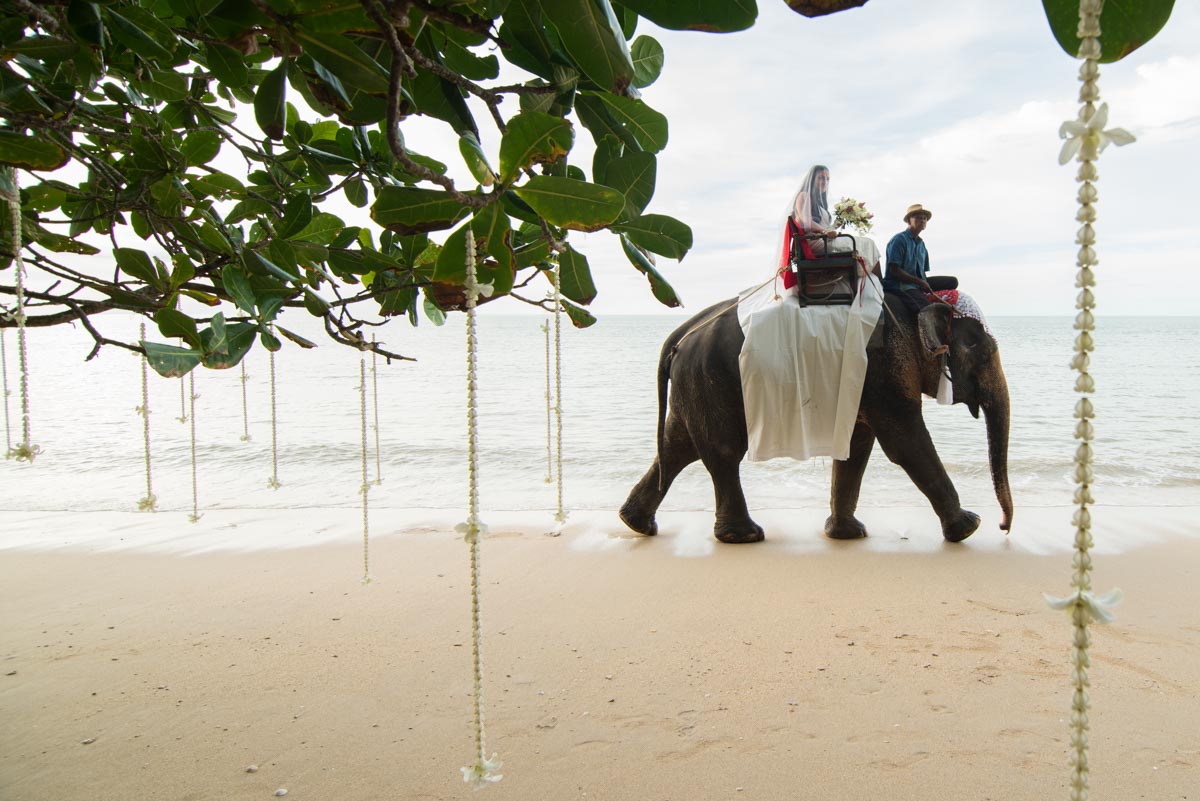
{"x": 803, "y": 370}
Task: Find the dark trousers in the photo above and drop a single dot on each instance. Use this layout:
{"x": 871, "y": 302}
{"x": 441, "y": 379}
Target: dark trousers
{"x": 915, "y": 299}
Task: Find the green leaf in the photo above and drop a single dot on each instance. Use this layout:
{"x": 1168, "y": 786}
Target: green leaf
{"x": 200, "y": 147}
{"x": 648, "y": 127}
{"x": 572, "y": 204}
{"x": 596, "y": 117}
{"x": 412, "y": 210}
{"x": 476, "y": 159}
{"x": 63, "y": 244}
{"x": 591, "y": 35}
{"x": 227, "y": 64}
{"x": 270, "y": 102}
{"x": 436, "y": 97}
{"x": 1126, "y": 25}
{"x": 356, "y": 192}
{"x": 84, "y": 19}
{"x": 634, "y": 176}
{"x": 297, "y": 214}
{"x": 237, "y": 286}
{"x": 296, "y": 338}
{"x": 30, "y": 152}
{"x": 658, "y": 285}
{"x": 647, "y": 60}
{"x": 44, "y": 48}
{"x": 580, "y": 317}
{"x": 136, "y": 264}
{"x": 269, "y": 340}
{"x": 132, "y": 36}
{"x": 163, "y": 85}
{"x": 714, "y": 16}
{"x": 451, "y": 266}
{"x": 323, "y": 228}
{"x": 345, "y": 59}
{"x": 659, "y": 234}
{"x": 533, "y": 138}
{"x": 170, "y": 361}
{"x": 576, "y": 277}
{"x": 494, "y": 233}
{"x": 173, "y": 323}
{"x": 239, "y": 338}
{"x": 433, "y": 312}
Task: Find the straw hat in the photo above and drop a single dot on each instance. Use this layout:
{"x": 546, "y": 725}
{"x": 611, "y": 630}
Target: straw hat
{"x": 917, "y": 208}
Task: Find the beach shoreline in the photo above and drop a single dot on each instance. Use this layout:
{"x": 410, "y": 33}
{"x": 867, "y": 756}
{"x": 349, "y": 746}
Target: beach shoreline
{"x": 615, "y": 667}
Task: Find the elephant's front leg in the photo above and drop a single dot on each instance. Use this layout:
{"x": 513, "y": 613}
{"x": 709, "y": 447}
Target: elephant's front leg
{"x": 905, "y": 440}
{"x": 847, "y": 481}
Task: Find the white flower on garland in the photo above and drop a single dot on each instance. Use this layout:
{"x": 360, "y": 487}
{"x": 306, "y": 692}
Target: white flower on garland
{"x": 850, "y": 213}
{"x": 1089, "y": 137}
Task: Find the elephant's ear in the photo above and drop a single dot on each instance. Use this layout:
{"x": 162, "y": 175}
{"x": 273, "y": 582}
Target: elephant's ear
{"x": 933, "y": 324}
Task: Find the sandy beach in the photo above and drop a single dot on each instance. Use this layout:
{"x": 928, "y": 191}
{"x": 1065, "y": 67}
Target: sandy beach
{"x": 616, "y": 667}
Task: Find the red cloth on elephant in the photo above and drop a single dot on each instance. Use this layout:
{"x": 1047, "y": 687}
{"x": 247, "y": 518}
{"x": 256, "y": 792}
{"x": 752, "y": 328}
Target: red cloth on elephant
{"x": 790, "y": 232}
{"x": 948, "y": 295}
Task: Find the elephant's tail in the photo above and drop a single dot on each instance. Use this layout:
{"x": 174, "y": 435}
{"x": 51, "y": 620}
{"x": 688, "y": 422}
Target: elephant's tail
{"x": 664, "y": 377}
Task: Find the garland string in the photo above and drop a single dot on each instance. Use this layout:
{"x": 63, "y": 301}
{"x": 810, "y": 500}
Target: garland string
{"x": 4, "y": 372}
{"x": 561, "y": 514}
{"x": 483, "y": 770}
{"x": 183, "y": 415}
{"x": 25, "y": 451}
{"x": 1085, "y": 139}
{"x": 245, "y": 406}
{"x": 549, "y": 407}
{"x": 195, "y": 515}
{"x": 273, "y": 482}
{"x": 366, "y": 485}
{"x": 375, "y": 394}
{"x": 148, "y": 503}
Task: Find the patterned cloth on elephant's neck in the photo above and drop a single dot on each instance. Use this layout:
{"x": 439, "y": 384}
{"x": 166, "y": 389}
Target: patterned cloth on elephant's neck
{"x": 803, "y": 371}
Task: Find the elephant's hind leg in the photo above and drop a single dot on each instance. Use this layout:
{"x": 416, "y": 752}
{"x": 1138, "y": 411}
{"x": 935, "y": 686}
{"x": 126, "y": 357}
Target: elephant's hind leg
{"x": 847, "y": 481}
{"x": 733, "y": 524}
{"x": 644, "y": 499}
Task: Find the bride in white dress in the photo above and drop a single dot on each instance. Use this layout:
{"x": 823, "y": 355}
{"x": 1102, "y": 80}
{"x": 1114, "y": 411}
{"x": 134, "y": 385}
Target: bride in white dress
{"x": 810, "y": 210}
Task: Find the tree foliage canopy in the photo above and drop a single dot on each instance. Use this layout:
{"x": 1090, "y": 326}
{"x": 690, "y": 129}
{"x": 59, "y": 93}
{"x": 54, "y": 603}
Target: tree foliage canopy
{"x": 147, "y": 105}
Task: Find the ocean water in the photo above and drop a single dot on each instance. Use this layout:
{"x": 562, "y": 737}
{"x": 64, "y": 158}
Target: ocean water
{"x": 84, "y": 417}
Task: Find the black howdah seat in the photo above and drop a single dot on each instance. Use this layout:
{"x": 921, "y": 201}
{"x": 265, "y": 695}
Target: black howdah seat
{"x": 825, "y": 279}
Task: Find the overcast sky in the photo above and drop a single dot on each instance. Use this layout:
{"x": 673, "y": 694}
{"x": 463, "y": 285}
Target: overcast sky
{"x": 955, "y": 104}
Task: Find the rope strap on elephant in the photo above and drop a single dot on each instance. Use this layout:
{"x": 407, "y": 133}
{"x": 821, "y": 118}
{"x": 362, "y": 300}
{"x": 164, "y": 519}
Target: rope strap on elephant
{"x": 1085, "y": 138}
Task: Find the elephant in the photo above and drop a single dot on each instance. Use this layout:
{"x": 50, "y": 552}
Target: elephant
{"x": 705, "y": 419}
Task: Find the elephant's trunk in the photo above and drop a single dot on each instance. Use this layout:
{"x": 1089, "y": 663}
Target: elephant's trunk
{"x": 994, "y": 391}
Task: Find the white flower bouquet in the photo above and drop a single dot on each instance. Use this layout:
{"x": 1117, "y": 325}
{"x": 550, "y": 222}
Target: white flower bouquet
{"x": 850, "y": 213}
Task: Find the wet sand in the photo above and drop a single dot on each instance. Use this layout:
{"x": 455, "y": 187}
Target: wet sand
{"x": 667, "y": 669}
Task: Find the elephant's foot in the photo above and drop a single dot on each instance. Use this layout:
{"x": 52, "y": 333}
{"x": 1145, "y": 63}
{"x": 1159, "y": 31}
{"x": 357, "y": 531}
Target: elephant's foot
{"x": 844, "y": 528}
{"x": 742, "y": 531}
{"x": 639, "y": 522}
{"x": 961, "y": 526}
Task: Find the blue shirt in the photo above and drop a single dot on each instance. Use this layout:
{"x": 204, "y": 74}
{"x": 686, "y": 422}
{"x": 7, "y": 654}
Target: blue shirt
{"x": 906, "y": 250}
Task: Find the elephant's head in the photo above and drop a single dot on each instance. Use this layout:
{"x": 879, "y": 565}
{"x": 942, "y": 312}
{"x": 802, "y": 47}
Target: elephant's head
{"x": 978, "y": 381}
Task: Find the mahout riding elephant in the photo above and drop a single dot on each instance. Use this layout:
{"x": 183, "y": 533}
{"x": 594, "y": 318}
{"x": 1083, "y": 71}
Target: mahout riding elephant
{"x": 704, "y": 418}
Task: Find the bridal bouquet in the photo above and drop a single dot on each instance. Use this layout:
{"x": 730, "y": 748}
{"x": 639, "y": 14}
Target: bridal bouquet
{"x": 849, "y": 213}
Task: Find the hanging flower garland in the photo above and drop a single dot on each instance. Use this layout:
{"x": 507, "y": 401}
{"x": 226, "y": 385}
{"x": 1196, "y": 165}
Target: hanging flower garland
{"x": 549, "y": 408}
{"x": 195, "y": 515}
{"x": 561, "y": 514}
{"x": 4, "y": 373}
{"x": 25, "y": 451}
{"x": 365, "y": 488}
{"x": 1085, "y": 140}
{"x": 183, "y": 415}
{"x": 483, "y": 770}
{"x": 150, "y": 502}
{"x": 273, "y": 481}
{"x": 245, "y": 407}
{"x": 375, "y": 395}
